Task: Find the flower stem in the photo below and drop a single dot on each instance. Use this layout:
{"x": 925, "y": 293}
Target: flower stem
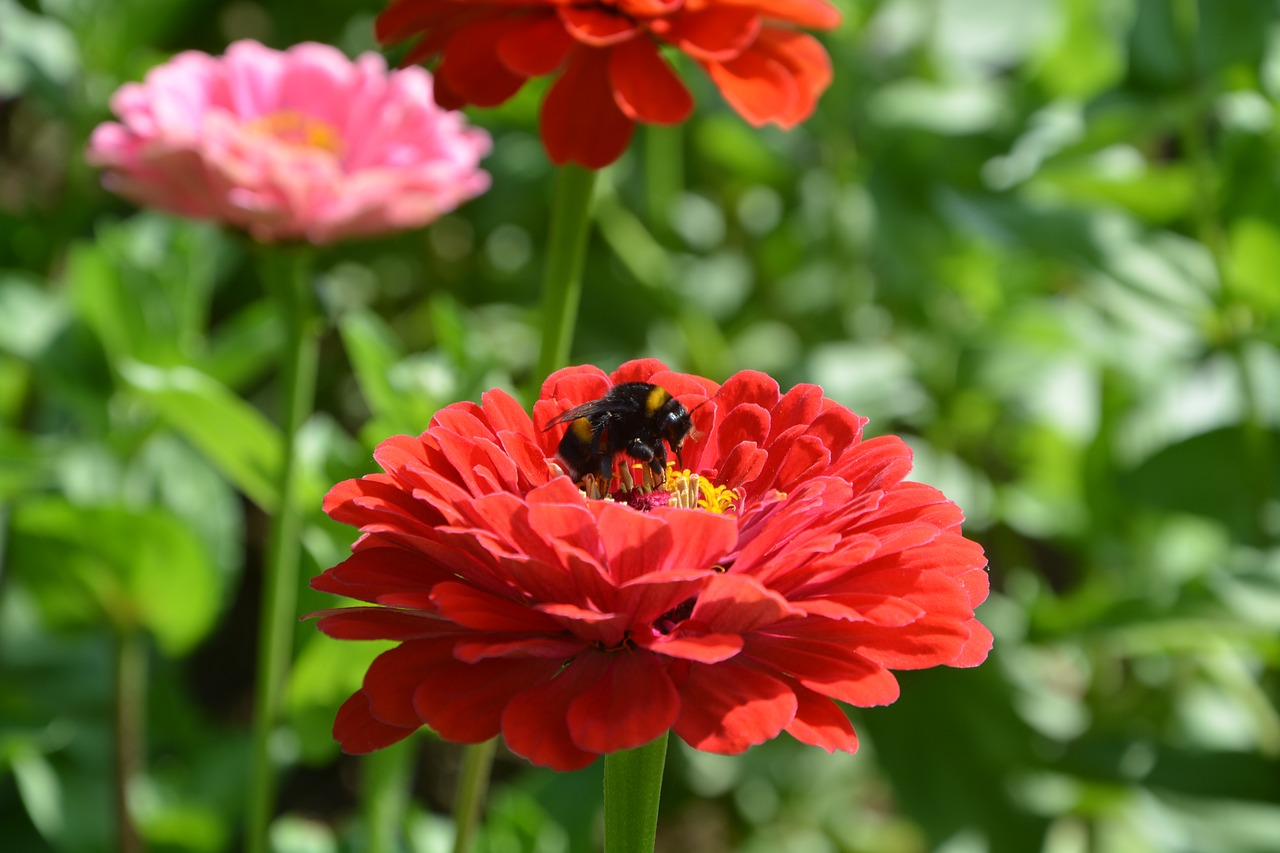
{"x": 562, "y": 279}
{"x": 632, "y": 785}
{"x": 384, "y": 794}
{"x": 288, "y": 275}
{"x": 663, "y": 174}
{"x": 477, "y": 759}
{"x": 131, "y": 687}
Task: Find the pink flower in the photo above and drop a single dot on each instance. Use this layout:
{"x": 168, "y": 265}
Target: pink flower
{"x": 299, "y": 144}
{"x": 791, "y": 568}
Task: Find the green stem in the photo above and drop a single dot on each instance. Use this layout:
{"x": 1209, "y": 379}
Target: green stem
{"x": 477, "y": 760}
{"x": 384, "y": 794}
{"x": 562, "y": 280}
{"x": 632, "y": 785}
{"x": 663, "y": 174}
{"x": 288, "y": 274}
{"x": 131, "y": 687}
{"x": 1235, "y": 317}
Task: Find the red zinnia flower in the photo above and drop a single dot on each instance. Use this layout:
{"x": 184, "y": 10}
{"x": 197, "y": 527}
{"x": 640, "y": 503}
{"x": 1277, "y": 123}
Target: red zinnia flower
{"x": 609, "y": 55}
{"x": 791, "y": 566}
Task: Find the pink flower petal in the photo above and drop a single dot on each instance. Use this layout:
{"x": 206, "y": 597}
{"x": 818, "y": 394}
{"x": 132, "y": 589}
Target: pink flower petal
{"x": 299, "y": 144}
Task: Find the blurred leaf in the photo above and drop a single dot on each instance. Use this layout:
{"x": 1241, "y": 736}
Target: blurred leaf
{"x": 375, "y": 352}
{"x": 324, "y": 675}
{"x": 1137, "y": 759}
{"x": 728, "y": 143}
{"x": 1089, "y": 55}
{"x": 244, "y": 346}
{"x": 36, "y": 51}
{"x": 138, "y": 567}
{"x": 234, "y": 436}
{"x": 1233, "y": 33}
{"x": 1158, "y": 194}
{"x": 947, "y": 745}
{"x": 168, "y": 471}
{"x": 949, "y": 110}
{"x": 30, "y": 316}
{"x": 40, "y": 790}
{"x": 24, "y": 468}
{"x": 1210, "y": 474}
{"x": 1255, "y": 258}
{"x": 144, "y": 285}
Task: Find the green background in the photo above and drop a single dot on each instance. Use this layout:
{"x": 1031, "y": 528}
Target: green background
{"x": 1040, "y": 239}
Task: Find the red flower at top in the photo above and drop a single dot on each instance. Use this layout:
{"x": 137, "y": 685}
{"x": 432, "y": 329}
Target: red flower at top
{"x": 609, "y": 55}
{"x": 789, "y": 566}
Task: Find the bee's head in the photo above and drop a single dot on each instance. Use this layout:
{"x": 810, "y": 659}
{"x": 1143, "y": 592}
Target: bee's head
{"x": 675, "y": 425}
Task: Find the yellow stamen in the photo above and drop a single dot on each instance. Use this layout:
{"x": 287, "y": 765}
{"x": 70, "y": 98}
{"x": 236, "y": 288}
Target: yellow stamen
{"x": 691, "y": 490}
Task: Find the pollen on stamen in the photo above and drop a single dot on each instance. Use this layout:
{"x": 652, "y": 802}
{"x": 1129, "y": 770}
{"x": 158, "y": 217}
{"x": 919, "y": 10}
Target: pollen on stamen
{"x": 636, "y": 486}
{"x": 692, "y": 490}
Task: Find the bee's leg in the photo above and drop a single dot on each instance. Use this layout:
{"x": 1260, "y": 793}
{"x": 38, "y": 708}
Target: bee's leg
{"x": 658, "y": 463}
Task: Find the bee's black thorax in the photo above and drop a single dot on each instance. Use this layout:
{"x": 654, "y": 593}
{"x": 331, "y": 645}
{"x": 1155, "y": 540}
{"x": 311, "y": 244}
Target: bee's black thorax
{"x": 634, "y": 418}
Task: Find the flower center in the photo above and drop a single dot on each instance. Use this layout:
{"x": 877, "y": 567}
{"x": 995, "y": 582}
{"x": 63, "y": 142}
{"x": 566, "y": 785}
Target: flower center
{"x": 635, "y": 485}
{"x": 298, "y": 129}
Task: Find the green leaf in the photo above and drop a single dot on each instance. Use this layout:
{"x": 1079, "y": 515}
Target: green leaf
{"x": 233, "y": 435}
{"x": 1209, "y": 474}
{"x": 30, "y": 316}
{"x": 1255, "y": 257}
{"x": 141, "y": 568}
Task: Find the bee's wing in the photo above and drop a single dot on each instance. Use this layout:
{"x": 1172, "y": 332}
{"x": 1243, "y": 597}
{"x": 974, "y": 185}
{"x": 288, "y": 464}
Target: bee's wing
{"x": 585, "y": 410}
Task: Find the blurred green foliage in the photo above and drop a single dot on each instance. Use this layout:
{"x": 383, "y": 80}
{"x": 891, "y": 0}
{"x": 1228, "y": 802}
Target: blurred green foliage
{"x": 1038, "y": 238}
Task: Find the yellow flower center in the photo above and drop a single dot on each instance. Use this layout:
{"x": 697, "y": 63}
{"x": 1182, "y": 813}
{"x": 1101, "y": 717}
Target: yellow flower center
{"x": 691, "y": 490}
{"x": 298, "y": 129}
{"x": 636, "y": 486}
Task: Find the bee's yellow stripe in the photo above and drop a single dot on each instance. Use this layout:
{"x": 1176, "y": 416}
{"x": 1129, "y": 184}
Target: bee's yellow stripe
{"x": 658, "y": 398}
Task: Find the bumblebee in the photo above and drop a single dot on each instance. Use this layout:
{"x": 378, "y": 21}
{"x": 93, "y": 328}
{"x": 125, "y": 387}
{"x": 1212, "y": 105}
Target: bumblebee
{"x": 634, "y": 418}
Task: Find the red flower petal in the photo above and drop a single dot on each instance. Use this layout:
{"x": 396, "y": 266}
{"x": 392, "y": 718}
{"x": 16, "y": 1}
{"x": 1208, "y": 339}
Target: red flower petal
{"x": 594, "y": 26}
{"x": 814, "y": 14}
{"x": 757, "y": 86}
{"x": 703, "y": 648}
{"x": 395, "y": 674}
{"x": 820, "y": 722}
{"x": 473, "y": 608}
{"x": 471, "y": 69}
{"x": 580, "y": 121}
{"x": 632, "y": 702}
{"x": 535, "y": 723}
{"x": 976, "y": 648}
{"x": 713, "y": 33}
{"x": 359, "y": 731}
{"x": 807, "y": 62}
{"x": 522, "y": 646}
{"x": 539, "y": 47}
{"x": 728, "y": 708}
{"x": 637, "y": 544}
{"x": 833, "y": 669}
{"x": 736, "y": 604}
{"x": 464, "y": 702}
{"x": 379, "y": 623}
{"x": 644, "y": 86}
{"x": 370, "y": 573}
